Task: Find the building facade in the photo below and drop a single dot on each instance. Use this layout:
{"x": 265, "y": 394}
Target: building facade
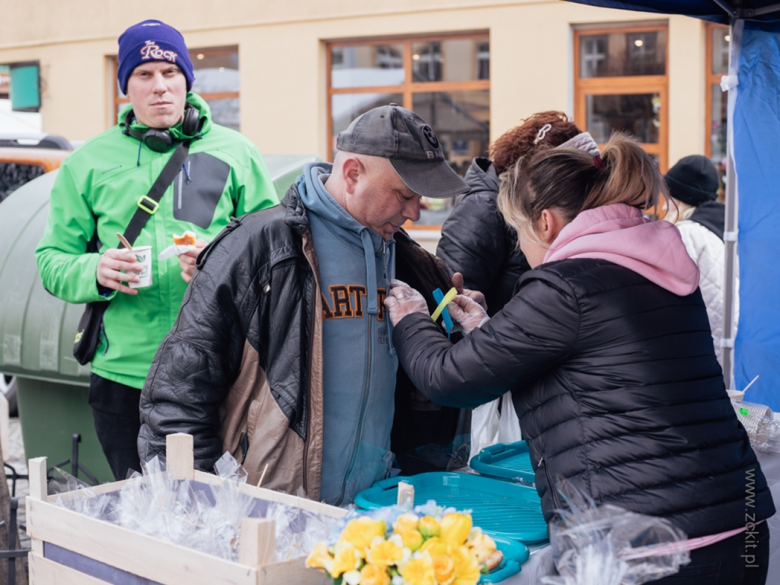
{"x": 290, "y": 76}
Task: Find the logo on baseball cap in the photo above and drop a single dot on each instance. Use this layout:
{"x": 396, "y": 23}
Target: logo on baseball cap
{"x": 411, "y": 146}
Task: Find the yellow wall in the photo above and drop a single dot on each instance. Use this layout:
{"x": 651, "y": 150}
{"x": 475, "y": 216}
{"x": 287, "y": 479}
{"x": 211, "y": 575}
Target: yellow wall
{"x": 282, "y": 57}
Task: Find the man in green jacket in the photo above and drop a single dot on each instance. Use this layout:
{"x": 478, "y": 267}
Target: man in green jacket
{"x": 97, "y": 192}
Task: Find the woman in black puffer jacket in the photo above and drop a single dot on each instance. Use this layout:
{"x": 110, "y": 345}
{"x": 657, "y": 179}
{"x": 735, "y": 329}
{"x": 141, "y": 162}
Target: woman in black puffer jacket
{"x": 607, "y": 352}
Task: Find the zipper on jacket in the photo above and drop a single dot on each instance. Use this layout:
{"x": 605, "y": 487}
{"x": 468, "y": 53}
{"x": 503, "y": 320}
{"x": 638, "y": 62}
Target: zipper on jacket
{"x": 362, "y": 416}
{"x": 308, "y": 389}
{"x": 550, "y": 484}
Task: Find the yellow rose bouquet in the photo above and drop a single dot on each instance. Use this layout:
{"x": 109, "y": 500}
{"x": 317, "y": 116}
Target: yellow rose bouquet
{"x": 393, "y": 546}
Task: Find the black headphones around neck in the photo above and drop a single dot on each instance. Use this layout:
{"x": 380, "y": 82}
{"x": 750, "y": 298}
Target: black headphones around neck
{"x": 161, "y": 140}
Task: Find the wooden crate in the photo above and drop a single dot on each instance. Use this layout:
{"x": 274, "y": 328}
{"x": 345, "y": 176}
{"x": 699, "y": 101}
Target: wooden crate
{"x": 70, "y": 548}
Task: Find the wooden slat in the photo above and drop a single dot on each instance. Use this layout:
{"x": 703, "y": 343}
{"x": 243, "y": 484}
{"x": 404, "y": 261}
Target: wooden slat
{"x": 46, "y": 572}
{"x": 258, "y": 542}
{"x": 273, "y": 496}
{"x": 103, "y": 488}
{"x": 36, "y": 546}
{"x": 179, "y": 456}
{"x": 292, "y": 572}
{"x": 405, "y": 495}
{"x": 36, "y": 470}
{"x": 211, "y": 479}
{"x": 136, "y": 553}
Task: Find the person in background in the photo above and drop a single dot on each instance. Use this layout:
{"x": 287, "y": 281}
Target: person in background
{"x": 607, "y": 352}
{"x": 693, "y": 184}
{"x": 97, "y": 192}
{"x": 475, "y": 239}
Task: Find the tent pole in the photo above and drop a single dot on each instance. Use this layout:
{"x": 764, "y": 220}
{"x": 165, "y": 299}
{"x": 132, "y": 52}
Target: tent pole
{"x": 729, "y": 292}
{"x": 753, "y": 12}
{"x": 730, "y": 10}
{"x": 730, "y": 231}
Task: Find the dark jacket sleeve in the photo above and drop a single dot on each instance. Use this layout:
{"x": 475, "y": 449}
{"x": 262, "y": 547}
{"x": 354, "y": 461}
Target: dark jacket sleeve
{"x": 473, "y": 241}
{"x": 198, "y": 360}
{"x": 534, "y": 333}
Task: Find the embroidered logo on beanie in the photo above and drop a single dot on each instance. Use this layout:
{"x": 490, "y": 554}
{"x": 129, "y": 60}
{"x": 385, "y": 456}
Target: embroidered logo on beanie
{"x": 153, "y": 51}
{"x": 152, "y": 40}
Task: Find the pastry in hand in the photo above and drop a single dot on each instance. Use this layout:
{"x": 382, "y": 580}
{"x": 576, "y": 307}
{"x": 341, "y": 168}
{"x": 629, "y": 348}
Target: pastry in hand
{"x": 186, "y": 239}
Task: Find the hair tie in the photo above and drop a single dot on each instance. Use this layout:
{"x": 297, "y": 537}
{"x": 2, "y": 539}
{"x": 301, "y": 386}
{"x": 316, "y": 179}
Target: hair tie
{"x": 542, "y": 132}
{"x": 598, "y": 162}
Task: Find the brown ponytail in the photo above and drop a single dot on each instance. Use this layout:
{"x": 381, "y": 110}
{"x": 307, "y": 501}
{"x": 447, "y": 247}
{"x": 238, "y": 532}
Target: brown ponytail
{"x": 572, "y": 181}
{"x": 628, "y": 176}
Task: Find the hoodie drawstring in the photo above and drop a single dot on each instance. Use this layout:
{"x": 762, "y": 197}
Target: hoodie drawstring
{"x": 138, "y": 160}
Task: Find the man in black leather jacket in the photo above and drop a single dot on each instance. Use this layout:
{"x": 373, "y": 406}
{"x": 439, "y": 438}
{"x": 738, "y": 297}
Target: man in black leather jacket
{"x": 251, "y": 366}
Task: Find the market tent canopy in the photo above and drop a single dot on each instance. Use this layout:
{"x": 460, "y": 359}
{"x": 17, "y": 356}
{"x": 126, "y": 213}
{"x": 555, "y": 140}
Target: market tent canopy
{"x": 753, "y": 184}
{"x": 722, "y": 11}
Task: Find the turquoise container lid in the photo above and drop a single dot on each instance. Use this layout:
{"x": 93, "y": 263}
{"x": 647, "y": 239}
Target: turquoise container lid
{"x": 507, "y": 461}
{"x": 502, "y": 509}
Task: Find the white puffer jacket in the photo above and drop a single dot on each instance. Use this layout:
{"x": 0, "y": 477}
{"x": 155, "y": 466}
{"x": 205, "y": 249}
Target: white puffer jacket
{"x": 708, "y": 251}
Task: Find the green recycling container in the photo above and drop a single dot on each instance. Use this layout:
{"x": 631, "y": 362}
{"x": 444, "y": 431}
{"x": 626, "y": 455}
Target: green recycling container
{"x": 37, "y": 330}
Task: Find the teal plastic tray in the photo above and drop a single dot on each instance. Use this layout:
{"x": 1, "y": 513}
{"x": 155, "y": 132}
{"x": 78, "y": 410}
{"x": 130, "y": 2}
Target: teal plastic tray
{"x": 502, "y": 509}
{"x": 507, "y": 461}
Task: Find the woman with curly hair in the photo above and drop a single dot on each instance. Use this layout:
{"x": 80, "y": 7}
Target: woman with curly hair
{"x": 475, "y": 239}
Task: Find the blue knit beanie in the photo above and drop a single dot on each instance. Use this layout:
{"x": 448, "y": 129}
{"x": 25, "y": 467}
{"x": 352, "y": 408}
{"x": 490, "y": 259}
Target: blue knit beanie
{"x": 152, "y": 40}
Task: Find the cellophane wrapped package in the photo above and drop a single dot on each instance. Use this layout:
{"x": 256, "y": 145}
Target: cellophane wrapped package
{"x": 199, "y": 516}
{"x": 607, "y": 545}
{"x": 762, "y": 429}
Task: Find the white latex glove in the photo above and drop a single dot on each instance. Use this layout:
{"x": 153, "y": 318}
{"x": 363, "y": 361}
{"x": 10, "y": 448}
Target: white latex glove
{"x": 467, "y": 313}
{"x": 403, "y": 300}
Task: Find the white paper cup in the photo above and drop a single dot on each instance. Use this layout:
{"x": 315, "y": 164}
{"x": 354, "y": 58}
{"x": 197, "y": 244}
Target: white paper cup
{"x": 143, "y": 255}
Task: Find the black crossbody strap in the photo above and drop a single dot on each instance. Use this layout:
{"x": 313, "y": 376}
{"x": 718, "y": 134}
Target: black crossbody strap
{"x": 148, "y": 204}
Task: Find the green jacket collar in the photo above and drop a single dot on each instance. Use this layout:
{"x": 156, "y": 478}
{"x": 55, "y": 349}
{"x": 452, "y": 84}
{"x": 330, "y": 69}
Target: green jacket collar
{"x": 192, "y": 98}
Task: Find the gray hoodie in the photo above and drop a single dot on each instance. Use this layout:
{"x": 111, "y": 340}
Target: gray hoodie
{"x": 359, "y": 366}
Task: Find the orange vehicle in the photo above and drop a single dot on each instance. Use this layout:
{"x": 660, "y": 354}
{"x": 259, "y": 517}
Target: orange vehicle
{"x": 23, "y": 159}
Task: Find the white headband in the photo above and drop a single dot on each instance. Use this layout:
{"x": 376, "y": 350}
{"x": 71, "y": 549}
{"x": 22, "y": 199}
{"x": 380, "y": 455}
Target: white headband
{"x": 583, "y": 141}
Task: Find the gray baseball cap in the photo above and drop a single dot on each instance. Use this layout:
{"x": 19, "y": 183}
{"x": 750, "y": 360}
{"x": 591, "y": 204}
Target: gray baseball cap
{"x": 409, "y": 143}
